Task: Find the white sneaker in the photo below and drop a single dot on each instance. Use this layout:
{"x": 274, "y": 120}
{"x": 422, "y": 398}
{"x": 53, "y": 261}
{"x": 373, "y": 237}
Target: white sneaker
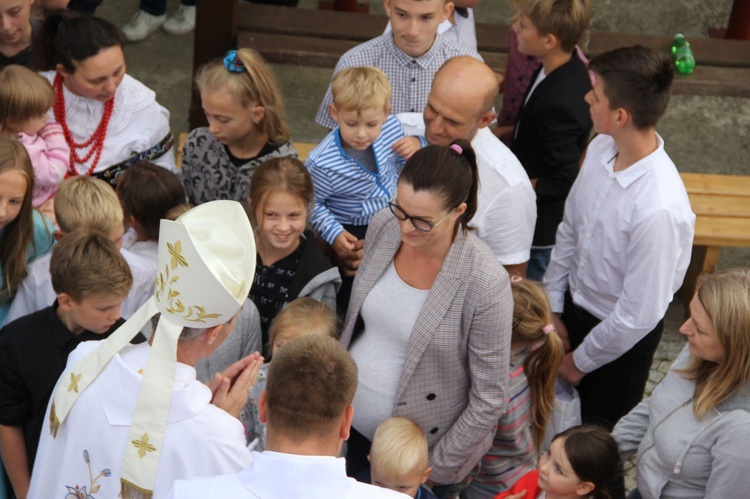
{"x": 182, "y": 21}
{"x": 141, "y": 25}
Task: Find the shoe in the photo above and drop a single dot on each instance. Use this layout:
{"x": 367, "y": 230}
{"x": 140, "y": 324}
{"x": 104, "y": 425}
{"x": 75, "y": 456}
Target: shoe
{"x": 141, "y": 25}
{"x": 182, "y": 21}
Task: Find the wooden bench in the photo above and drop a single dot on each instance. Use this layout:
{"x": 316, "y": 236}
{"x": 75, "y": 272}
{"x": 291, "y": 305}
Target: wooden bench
{"x": 722, "y": 207}
{"x": 287, "y": 35}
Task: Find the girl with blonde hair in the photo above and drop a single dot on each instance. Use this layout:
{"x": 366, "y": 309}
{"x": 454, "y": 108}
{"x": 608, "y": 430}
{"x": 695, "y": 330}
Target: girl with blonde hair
{"x": 536, "y": 355}
{"x": 246, "y": 126}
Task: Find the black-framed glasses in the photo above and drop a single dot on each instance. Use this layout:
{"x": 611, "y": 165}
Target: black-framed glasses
{"x": 419, "y": 223}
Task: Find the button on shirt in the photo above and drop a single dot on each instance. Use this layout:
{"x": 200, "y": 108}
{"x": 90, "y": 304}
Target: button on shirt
{"x": 411, "y": 78}
{"x": 623, "y": 248}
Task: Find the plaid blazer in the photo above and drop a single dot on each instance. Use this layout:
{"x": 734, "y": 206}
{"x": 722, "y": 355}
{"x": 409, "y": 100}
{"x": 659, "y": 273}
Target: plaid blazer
{"x": 455, "y": 378}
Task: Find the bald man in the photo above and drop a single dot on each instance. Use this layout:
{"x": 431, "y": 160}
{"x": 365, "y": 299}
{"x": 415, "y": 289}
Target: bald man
{"x": 460, "y": 106}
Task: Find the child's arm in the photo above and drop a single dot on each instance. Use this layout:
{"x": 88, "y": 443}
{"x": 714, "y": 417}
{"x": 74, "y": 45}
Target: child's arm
{"x": 407, "y": 146}
{"x": 52, "y": 159}
{"x": 323, "y": 221}
{"x": 13, "y": 451}
{"x": 345, "y": 244}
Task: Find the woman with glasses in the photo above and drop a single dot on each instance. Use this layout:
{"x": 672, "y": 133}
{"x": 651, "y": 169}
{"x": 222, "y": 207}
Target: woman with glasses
{"x": 429, "y": 320}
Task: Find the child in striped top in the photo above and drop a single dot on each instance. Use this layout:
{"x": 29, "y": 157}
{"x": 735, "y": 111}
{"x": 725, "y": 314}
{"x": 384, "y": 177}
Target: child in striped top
{"x": 536, "y": 355}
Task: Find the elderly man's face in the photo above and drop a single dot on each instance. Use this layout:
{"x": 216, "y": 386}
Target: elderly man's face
{"x": 451, "y": 114}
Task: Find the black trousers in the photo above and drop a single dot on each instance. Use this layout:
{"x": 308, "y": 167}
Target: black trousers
{"x": 610, "y": 392}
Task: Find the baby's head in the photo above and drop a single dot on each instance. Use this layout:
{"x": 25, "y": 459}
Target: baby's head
{"x": 398, "y": 456}
{"x": 25, "y": 99}
{"x": 580, "y": 462}
{"x": 302, "y": 317}
{"x": 361, "y": 104}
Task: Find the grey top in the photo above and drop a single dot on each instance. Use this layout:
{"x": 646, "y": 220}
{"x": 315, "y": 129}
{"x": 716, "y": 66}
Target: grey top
{"x": 680, "y": 456}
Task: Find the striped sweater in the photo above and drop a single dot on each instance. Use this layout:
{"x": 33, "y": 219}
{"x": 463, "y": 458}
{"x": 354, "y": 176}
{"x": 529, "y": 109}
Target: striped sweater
{"x": 346, "y": 193}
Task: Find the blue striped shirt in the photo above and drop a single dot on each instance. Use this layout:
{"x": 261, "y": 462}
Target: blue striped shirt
{"x": 345, "y": 191}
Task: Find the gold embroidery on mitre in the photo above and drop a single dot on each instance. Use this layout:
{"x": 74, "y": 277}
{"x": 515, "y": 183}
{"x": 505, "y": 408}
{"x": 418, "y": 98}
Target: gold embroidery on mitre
{"x": 167, "y": 282}
{"x": 74, "y": 379}
{"x": 143, "y": 446}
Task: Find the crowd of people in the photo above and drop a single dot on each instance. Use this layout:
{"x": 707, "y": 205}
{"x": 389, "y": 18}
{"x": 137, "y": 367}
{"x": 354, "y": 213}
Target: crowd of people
{"x": 389, "y": 317}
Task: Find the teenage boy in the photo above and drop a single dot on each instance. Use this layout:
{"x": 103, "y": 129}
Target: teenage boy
{"x": 83, "y": 202}
{"x": 91, "y": 279}
{"x": 624, "y": 243}
{"x": 410, "y": 54}
{"x": 553, "y": 126}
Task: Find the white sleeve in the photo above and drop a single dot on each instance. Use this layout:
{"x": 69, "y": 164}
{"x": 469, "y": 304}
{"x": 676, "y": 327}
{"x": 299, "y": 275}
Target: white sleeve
{"x": 507, "y": 224}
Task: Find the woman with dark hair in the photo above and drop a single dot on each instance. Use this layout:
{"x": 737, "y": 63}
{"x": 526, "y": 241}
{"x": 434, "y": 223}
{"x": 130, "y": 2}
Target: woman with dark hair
{"x": 693, "y": 434}
{"x": 429, "y": 321}
{"x": 109, "y": 119}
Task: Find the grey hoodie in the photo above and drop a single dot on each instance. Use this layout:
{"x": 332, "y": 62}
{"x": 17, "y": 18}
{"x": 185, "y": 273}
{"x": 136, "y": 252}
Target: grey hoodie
{"x": 680, "y": 456}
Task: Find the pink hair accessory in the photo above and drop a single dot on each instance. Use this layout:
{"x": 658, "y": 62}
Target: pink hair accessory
{"x": 516, "y": 278}
{"x": 548, "y": 329}
{"x": 457, "y": 148}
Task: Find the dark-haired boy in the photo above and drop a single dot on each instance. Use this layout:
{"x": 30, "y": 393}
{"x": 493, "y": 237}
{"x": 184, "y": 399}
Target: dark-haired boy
{"x": 625, "y": 241}
{"x": 553, "y": 126}
{"x": 91, "y": 279}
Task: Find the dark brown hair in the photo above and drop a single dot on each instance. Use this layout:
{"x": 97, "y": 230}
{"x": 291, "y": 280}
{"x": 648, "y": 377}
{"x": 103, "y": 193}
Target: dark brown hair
{"x": 311, "y": 382}
{"x": 148, "y": 192}
{"x": 447, "y": 173}
{"x": 637, "y": 79}
{"x": 594, "y": 456}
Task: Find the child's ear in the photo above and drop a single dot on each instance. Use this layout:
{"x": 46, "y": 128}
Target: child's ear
{"x": 551, "y": 42}
{"x": 65, "y": 301}
{"x": 447, "y": 11}
{"x": 426, "y": 475}
{"x": 263, "y": 408}
{"x": 334, "y": 113}
{"x": 58, "y": 234}
{"x": 585, "y": 488}
{"x": 259, "y": 112}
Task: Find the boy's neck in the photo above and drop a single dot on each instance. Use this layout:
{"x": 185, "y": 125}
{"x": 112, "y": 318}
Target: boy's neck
{"x": 633, "y": 145}
{"x": 67, "y": 319}
{"x": 554, "y": 59}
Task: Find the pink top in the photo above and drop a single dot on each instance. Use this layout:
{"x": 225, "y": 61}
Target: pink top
{"x": 50, "y": 156}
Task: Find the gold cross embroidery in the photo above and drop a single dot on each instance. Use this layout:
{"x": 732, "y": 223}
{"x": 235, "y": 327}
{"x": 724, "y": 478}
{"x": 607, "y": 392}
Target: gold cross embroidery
{"x": 74, "y": 379}
{"x": 143, "y": 446}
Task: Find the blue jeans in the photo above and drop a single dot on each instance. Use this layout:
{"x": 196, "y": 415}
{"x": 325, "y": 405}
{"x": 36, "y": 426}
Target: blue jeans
{"x": 538, "y": 263}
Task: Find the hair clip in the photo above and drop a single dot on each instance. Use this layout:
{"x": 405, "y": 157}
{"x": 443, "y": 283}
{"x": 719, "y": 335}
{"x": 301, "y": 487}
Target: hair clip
{"x": 516, "y": 278}
{"x": 457, "y": 148}
{"x": 548, "y": 329}
{"x": 233, "y": 63}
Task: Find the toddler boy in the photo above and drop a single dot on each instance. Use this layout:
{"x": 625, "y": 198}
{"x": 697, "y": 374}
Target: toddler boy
{"x": 355, "y": 169}
{"x": 83, "y": 202}
{"x": 553, "y": 126}
{"x": 410, "y": 54}
{"x": 398, "y": 458}
{"x": 91, "y": 278}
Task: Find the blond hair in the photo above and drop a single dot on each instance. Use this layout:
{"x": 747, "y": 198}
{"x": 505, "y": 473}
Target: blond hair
{"x": 357, "y": 89}
{"x": 304, "y": 316}
{"x": 532, "y": 327}
{"x": 567, "y": 20}
{"x": 18, "y": 235}
{"x": 86, "y": 263}
{"x": 726, "y": 298}
{"x": 24, "y": 95}
{"x": 255, "y": 85}
{"x": 399, "y": 447}
{"x": 83, "y": 201}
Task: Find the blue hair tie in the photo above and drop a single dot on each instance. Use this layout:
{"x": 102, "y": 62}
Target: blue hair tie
{"x": 233, "y": 63}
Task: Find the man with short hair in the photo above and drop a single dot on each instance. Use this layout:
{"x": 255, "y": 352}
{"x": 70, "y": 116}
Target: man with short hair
{"x": 308, "y": 414}
{"x": 459, "y": 106}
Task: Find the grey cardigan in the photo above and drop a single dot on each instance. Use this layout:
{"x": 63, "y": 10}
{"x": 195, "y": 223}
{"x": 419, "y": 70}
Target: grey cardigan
{"x": 680, "y": 456}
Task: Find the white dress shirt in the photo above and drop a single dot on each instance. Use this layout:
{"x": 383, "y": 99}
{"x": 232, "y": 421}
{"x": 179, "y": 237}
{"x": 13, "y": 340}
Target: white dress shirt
{"x": 623, "y": 248}
{"x": 506, "y": 202}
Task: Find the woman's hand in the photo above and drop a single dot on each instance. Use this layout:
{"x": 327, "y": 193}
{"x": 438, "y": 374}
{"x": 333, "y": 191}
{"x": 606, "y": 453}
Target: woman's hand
{"x": 231, "y": 388}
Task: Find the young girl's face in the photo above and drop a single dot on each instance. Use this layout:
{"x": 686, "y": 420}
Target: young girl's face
{"x": 33, "y": 125}
{"x": 281, "y": 221}
{"x": 228, "y": 121}
{"x": 13, "y": 186}
{"x": 14, "y": 20}
{"x": 556, "y": 475}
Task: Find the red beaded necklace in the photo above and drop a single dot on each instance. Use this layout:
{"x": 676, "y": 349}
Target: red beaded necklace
{"x": 97, "y": 139}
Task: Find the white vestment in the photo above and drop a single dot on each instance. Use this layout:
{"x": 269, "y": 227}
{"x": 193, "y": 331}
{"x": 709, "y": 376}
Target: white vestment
{"x": 277, "y": 475}
{"x": 200, "y": 439}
